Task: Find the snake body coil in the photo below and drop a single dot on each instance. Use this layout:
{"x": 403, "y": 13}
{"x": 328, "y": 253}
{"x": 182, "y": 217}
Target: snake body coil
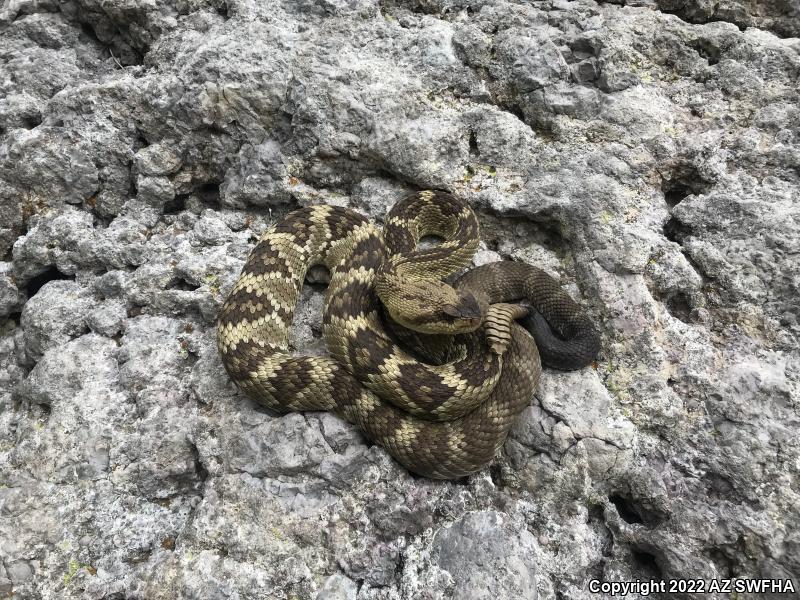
{"x": 439, "y": 420}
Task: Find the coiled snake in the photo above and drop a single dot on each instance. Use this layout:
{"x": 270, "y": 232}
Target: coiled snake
{"x": 439, "y": 420}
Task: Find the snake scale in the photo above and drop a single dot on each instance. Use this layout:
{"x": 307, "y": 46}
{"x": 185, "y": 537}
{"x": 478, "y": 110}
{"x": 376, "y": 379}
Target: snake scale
{"x": 439, "y": 419}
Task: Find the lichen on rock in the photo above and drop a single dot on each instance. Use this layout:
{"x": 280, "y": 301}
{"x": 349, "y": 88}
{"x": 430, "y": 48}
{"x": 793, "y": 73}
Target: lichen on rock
{"x": 647, "y": 153}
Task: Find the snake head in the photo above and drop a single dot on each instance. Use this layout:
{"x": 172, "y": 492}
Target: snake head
{"x": 430, "y": 306}
{"x": 466, "y": 308}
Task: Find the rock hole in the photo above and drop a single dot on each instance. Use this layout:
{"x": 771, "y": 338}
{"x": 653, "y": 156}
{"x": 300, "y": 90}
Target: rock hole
{"x": 125, "y": 55}
{"x": 209, "y": 192}
{"x": 718, "y": 485}
{"x": 51, "y": 274}
{"x": 707, "y": 50}
{"x": 634, "y": 511}
{"x": 199, "y": 469}
{"x": 549, "y": 234}
{"x": 680, "y": 307}
{"x": 134, "y": 311}
{"x": 180, "y": 283}
{"x": 140, "y": 141}
{"x": 133, "y": 184}
{"x": 473, "y": 144}
{"x": 217, "y": 129}
{"x": 496, "y": 473}
{"x": 32, "y": 121}
{"x": 223, "y": 10}
{"x": 646, "y": 564}
{"x": 625, "y": 509}
{"x": 176, "y": 205}
{"x": 683, "y": 181}
{"x": 676, "y": 231}
{"x": 462, "y": 481}
{"x": 400, "y": 566}
{"x": 101, "y": 220}
{"x": 88, "y": 32}
{"x": 515, "y": 110}
{"x": 582, "y": 48}
{"x": 596, "y": 512}
{"x": 684, "y": 14}
{"x": 726, "y": 567}
{"x": 674, "y": 194}
{"x": 190, "y": 357}
{"x": 41, "y": 412}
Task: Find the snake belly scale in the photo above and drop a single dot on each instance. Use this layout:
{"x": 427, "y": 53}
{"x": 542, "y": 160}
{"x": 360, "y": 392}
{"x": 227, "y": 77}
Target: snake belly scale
{"x": 439, "y": 420}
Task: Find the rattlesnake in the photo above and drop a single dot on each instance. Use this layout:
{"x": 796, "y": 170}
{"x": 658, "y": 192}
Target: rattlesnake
{"x": 439, "y": 420}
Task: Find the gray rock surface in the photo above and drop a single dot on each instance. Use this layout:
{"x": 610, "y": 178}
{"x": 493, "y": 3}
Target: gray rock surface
{"x": 647, "y": 153}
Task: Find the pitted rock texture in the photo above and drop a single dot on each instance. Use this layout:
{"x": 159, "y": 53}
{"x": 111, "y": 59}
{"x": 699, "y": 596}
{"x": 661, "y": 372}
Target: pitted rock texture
{"x": 647, "y": 153}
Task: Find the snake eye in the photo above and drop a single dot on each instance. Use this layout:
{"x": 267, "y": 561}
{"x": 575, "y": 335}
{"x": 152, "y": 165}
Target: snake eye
{"x": 470, "y": 309}
{"x": 451, "y": 310}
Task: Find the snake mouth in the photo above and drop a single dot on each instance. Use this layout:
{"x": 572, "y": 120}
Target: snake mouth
{"x": 472, "y": 323}
{"x": 463, "y": 325}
